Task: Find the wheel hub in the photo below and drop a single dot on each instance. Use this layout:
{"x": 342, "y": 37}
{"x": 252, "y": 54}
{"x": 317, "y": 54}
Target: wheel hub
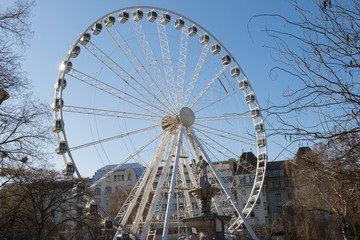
{"x": 186, "y": 117}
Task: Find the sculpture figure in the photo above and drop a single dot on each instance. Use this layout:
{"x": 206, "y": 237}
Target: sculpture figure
{"x": 201, "y": 170}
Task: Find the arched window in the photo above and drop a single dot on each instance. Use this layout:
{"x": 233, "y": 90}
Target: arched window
{"x": 129, "y": 177}
{"x": 97, "y": 191}
{"x": 108, "y": 190}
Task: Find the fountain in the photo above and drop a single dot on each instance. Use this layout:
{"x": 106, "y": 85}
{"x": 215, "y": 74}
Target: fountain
{"x": 205, "y": 223}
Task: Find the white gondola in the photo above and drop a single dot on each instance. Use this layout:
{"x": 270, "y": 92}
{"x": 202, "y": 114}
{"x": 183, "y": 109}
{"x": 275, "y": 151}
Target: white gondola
{"x": 262, "y": 157}
{"x": 66, "y": 66}
{"x": 235, "y": 72}
{"x": 259, "y": 127}
{"x": 85, "y": 39}
{"x": 75, "y": 51}
{"x": 192, "y": 30}
{"x": 109, "y": 21}
{"x": 225, "y": 60}
{"x": 250, "y": 98}
{"x": 57, "y": 125}
{"x": 165, "y": 19}
{"x": 123, "y": 236}
{"x": 123, "y": 17}
{"x": 255, "y": 112}
{"x": 262, "y": 164}
{"x": 69, "y": 169}
{"x": 261, "y": 142}
{"x": 252, "y": 200}
{"x": 179, "y": 23}
{"x": 152, "y": 15}
{"x": 57, "y": 104}
{"x": 96, "y": 29}
{"x": 107, "y": 224}
{"x": 138, "y": 15}
{"x": 204, "y": 38}
{"x": 61, "y": 147}
{"x": 91, "y": 208}
{"x": 78, "y": 189}
{"x": 243, "y": 84}
{"x": 60, "y": 83}
{"x": 215, "y": 48}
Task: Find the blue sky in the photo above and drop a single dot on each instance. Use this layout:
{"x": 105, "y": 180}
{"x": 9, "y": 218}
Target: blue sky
{"x": 57, "y": 25}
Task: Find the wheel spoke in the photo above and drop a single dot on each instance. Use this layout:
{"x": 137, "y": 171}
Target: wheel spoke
{"x": 117, "y": 70}
{"x": 224, "y": 117}
{"x": 110, "y": 113}
{"x": 145, "y": 105}
{"x": 147, "y": 184}
{"x": 204, "y": 90}
{"x": 152, "y": 61}
{"x": 224, "y": 134}
{"x": 126, "y": 160}
{"x": 218, "y": 101}
{"x": 196, "y": 143}
{"x": 139, "y": 68}
{"x": 182, "y": 63}
{"x": 196, "y": 73}
{"x": 113, "y": 138}
{"x": 243, "y": 164}
{"x": 168, "y": 66}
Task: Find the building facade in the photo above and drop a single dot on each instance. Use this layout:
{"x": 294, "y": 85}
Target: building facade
{"x": 115, "y": 188}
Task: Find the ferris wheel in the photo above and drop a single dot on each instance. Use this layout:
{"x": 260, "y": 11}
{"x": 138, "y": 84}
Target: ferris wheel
{"x": 149, "y": 86}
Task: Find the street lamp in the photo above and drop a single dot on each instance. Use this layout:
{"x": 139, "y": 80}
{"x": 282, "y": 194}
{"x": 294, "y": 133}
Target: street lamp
{"x": 4, "y": 95}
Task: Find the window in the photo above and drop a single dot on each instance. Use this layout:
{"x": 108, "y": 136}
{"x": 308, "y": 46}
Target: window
{"x": 174, "y": 206}
{"x": 243, "y": 192}
{"x": 194, "y": 205}
{"x": 243, "y": 180}
{"x": 129, "y": 177}
{"x": 107, "y": 202}
{"x": 122, "y": 177}
{"x": 97, "y": 191}
{"x": 278, "y": 209}
{"x": 108, "y": 179}
{"x": 164, "y": 207}
{"x": 277, "y": 184}
{"x": 252, "y": 178}
{"x": 115, "y": 178}
{"x": 276, "y": 173}
{"x": 108, "y": 190}
{"x": 79, "y": 211}
{"x": 278, "y": 197}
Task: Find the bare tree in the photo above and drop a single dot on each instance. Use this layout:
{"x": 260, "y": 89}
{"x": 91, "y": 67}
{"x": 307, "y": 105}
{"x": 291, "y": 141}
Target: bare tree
{"x": 324, "y": 194}
{"x": 40, "y": 204}
{"x": 318, "y": 49}
{"x": 24, "y": 121}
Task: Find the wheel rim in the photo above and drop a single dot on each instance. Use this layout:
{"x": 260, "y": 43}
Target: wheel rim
{"x": 147, "y": 81}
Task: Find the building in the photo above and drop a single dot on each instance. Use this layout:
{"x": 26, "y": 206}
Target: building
{"x": 121, "y": 181}
{"x": 244, "y": 181}
{"x": 277, "y": 187}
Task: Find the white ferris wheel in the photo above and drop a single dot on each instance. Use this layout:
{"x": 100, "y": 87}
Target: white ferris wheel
{"x": 150, "y": 86}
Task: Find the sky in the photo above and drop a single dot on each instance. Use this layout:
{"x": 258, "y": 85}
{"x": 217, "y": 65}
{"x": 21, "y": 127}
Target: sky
{"x": 58, "y": 24}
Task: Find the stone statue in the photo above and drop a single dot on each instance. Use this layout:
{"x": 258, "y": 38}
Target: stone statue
{"x": 201, "y": 170}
